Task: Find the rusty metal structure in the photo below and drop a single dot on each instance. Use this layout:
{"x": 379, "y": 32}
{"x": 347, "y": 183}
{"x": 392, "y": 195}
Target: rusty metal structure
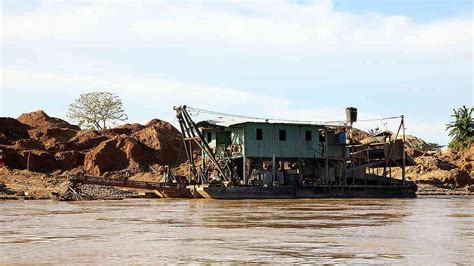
{"x": 251, "y": 157}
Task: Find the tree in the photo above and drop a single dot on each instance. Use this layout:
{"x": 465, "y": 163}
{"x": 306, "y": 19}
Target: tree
{"x": 462, "y": 128}
{"x": 96, "y": 110}
{"x": 434, "y": 146}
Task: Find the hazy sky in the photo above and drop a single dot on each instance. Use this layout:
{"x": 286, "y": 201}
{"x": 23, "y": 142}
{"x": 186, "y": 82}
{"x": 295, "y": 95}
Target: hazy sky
{"x": 303, "y": 60}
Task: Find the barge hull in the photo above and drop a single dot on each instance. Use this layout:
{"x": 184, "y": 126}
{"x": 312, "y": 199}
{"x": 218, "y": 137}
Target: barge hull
{"x": 242, "y": 192}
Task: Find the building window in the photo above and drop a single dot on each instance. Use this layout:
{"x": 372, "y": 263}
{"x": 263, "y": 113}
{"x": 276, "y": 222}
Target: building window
{"x": 259, "y": 134}
{"x": 322, "y": 137}
{"x": 309, "y": 135}
{"x": 209, "y": 137}
{"x": 282, "y": 134}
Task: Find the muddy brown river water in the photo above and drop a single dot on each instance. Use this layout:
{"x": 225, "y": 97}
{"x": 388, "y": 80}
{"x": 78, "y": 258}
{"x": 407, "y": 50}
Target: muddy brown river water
{"x": 415, "y": 231}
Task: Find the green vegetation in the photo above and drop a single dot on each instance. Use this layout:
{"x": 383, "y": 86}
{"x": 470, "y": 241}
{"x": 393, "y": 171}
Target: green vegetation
{"x": 435, "y": 146}
{"x": 417, "y": 146}
{"x": 461, "y": 129}
{"x": 96, "y": 110}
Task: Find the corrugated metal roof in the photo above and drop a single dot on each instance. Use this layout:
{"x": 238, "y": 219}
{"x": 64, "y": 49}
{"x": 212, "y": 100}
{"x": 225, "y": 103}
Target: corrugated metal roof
{"x": 231, "y": 121}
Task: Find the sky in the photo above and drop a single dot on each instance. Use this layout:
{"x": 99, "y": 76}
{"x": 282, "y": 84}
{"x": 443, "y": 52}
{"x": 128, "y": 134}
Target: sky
{"x": 303, "y": 60}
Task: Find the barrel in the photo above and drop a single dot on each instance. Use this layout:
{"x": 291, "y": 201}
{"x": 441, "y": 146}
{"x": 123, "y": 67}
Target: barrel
{"x": 341, "y": 138}
{"x": 351, "y": 114}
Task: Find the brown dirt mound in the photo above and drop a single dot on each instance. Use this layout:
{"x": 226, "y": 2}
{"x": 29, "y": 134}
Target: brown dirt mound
{"x": 31, "y": 184}
{"x": 115, "y": 154}
{"x": 40, "y": 119}
{"x": 68, "y": 160}
{"x": 127, "y": 129}
{"x": 29, "y": 144}
{"x": 85, "y": 140}
{"x": 12, "y": 129}
{"x": 55, "y": 145}
{"x": 466, "y": 162}
{"x": 165, "y": 140}
{"x": 414, "y": 153}
{"x": 52, "y": 138}
{"x": 39, "y": 160}
{"x": 445, "y": 167}
{"x": 359, "y": 135}
{"x": 3, "y": 139}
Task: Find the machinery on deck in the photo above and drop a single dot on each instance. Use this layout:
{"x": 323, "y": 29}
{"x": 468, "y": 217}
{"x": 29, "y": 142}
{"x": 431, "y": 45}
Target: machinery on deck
{"x": 247, "y": 157}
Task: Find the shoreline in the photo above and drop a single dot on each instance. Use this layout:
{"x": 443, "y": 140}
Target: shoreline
{"x": 98, "y": 192}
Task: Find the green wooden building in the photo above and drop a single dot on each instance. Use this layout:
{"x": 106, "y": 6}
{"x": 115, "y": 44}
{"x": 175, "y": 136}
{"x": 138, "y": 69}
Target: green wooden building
{"x": 254, "y": 139}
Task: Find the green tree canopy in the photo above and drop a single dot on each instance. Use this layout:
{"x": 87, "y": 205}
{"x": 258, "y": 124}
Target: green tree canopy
{"x": 462, "y": 128}
{"x": 97, "y": 110}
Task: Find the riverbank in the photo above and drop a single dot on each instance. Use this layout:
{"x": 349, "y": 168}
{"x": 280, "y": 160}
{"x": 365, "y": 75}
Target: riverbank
{"x": 52, "y": 149}
{"x": 26, "y": 185}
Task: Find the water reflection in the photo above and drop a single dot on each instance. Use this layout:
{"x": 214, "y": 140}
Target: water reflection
{"x": 421, "y": 231}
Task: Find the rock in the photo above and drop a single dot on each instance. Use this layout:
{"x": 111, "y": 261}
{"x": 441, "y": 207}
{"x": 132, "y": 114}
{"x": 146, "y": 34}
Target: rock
{"x": 68, "y": 160}
{"x": 12, "y": 129}
{"x": 115, "y": 154}
{"x": 39, "y": 119}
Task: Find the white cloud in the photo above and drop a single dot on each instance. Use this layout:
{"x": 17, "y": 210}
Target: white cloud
{"x": 158, "y": 96}
{"x": 260, "y": 29}
{"x": 61, "y": 49}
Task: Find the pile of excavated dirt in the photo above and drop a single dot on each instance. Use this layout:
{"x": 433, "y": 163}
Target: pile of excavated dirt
{"x": 417, "y": 143}
{"x": 444, "y": 168}
{"x": 164, "y": 142}
{"x": 32, "y": 185}
{"x": 127, "y": 129}
{"x": 12, "y": 130}
{"x": 44, "y": 144}
{"x": 40, "y": 119}
{"x": 120, "y": 152}
{"x": 358, "y": 135}
{"x": 24, "y": 184}
{"x": 84, "y": 140}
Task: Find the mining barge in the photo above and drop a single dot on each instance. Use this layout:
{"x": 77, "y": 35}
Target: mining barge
{"x": 236, "y": 157}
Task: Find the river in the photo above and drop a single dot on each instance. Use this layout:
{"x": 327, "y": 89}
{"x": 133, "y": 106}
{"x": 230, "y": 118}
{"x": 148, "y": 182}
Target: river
{"x": 428, "y": 230}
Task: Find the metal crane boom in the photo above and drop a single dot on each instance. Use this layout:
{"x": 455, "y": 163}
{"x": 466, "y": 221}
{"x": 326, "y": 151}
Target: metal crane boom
{"x": 191, "y": 132}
